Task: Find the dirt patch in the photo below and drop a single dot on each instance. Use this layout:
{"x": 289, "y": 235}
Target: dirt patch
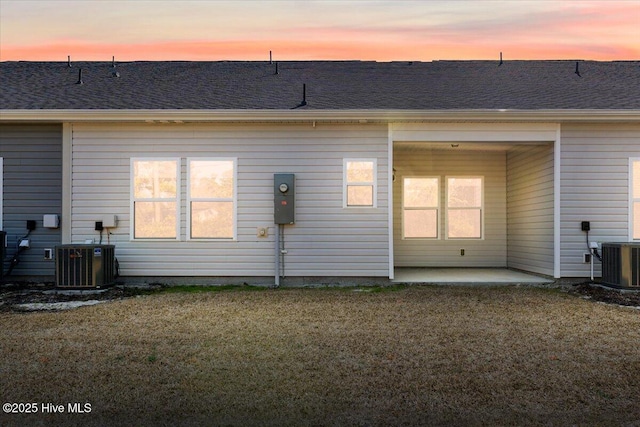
{"x": 599, "y": 293}
{"x": 35, "y": 297}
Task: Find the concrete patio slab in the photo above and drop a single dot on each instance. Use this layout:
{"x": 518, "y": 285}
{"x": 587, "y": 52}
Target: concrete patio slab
{"x": 488, "y": 276}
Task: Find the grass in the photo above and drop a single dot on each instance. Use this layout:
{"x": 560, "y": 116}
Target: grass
{"x": 401, "y": 356}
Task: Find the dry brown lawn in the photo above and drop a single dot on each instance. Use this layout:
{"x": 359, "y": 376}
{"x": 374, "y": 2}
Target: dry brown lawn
{"x": 402, "y": 356}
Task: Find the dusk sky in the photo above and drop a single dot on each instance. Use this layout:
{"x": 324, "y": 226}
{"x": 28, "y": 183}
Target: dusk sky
{"x": 131, "y": 30}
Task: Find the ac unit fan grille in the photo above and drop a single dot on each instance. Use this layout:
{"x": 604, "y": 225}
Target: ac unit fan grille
{"x": 621, "y": 264}
{"x": 85, "y": 266}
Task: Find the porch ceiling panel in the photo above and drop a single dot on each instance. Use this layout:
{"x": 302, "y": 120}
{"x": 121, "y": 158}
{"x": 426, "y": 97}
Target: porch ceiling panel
{"x": 463, "y": 146}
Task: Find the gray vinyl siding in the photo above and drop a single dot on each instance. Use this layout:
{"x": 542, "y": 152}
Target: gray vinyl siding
{"x": 530, "y": 209}
{"x": 594, "y": 187}
{"x": 326, "y": 239}
{"x": 32, "y": 187}
{"x": 491, "y": 251}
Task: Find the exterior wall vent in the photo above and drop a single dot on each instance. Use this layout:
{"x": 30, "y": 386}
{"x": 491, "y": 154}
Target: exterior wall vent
{"x": 621, "y": 264}
{"x": 85, "y": 266}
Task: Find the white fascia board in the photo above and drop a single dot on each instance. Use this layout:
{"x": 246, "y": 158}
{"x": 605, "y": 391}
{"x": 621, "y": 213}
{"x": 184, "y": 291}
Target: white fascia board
{"x": 385, "y": 116}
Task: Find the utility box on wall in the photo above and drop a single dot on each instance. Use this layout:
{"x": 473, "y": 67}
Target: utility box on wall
{"x": 284, "y": 198}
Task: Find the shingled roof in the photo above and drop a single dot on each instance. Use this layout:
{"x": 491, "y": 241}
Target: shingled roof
{"x": 330, "y": 85}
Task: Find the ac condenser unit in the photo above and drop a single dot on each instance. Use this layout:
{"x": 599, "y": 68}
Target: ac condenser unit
{"x": 621, "y": 264}
{"x": 85, "y": 266}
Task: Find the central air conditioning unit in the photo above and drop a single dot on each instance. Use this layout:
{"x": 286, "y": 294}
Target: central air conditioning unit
{"x": 85, "y": 266}
{"x": 621, "y": 264}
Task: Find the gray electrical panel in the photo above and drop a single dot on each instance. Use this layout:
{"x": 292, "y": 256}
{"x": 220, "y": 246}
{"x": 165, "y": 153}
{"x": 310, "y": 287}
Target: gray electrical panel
{"x": 284, "y": 198}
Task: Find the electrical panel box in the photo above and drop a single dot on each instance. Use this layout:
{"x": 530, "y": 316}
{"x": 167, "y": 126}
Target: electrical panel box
{"x": 50, "y": 221}
{"x": 109, "y": 221}
{"x": 284, "y": 198}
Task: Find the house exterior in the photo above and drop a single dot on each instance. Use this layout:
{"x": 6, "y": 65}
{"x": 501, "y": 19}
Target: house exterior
{"x": 31, "y": 183}
{"x": 401, "y": 164}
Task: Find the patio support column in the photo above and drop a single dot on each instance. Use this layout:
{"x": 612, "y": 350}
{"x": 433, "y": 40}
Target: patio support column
{"x": 557, "y": 156}
{"x": 390, "y": 197}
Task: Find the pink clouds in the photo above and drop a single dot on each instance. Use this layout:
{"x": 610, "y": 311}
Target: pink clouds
{"x": 425, "y": 50}
{"x": 559, "y": 30}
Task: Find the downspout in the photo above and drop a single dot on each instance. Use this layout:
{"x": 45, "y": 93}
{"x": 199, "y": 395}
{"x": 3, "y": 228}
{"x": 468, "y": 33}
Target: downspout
{"x": 277, "y": 256}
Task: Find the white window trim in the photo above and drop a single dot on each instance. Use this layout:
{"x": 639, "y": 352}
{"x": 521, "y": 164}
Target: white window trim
{"x": 437, "y": 208}
{"x": 234, "y": 199}
{"x": 132, "y": 199}
{"x": 446, "y": 207}
{"x": 374, "y": 183}
{"x": 632, "y": 160}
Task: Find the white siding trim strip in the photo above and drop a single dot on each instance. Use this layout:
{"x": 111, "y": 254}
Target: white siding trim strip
{"x": 67, "y": 182}
{"x": 632, "y": 200}
{"x": 390, "y": 175}
{"x": 557, "y": 156}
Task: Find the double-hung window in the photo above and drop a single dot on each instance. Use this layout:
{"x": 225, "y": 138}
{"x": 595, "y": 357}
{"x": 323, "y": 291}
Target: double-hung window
{"x": 156, "y": 194}
{"x": 156, "y": 203}
{"x": 211, "y": 198}
{"x": 420, "y": 207}
{"x": 360, "y": 188}
{"x": 634, "y": 199}
{"x": 464, "y": 207}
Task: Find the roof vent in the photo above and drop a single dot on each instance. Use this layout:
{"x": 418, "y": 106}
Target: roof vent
{"x": 113, "y": 61}
{"x": 304, "y": 95}
{"x": 271, "y": 59}
{"x": 69, "y": 61}
{"x": 276, "y": 69}
{"x": 578, "y": 69}
{"x": 80, "y": 82}
{"x": 500, "y": 60}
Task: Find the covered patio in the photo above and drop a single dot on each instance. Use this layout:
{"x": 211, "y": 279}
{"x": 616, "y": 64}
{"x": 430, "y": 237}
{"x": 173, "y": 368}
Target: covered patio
{"x": 475, "y": 276}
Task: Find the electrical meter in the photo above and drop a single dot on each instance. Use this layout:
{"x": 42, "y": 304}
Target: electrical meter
{"x": 284, "y": 198}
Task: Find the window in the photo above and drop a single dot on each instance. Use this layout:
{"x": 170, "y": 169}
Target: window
{"x": 155, "y": 194}
{"x": 464, "y": 207}
{"x": 360, "y": 182}
{"x": 420, "y": 206}
{"x": 211, "y": 198}
{"x": 634, "y": 211}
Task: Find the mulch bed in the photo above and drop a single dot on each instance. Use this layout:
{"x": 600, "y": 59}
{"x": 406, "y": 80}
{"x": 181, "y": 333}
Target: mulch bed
{"x": 607, "y": 295}
{"x": 12, "y": 295}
